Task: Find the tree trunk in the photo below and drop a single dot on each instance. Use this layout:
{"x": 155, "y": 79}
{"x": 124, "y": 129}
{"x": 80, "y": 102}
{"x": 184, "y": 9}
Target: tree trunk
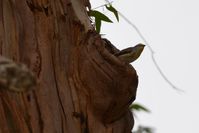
{"x": 81, "y": 86}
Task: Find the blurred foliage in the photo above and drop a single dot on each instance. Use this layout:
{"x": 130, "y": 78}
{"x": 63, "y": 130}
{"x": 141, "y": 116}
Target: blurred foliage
{"x": 99, "y": 17}
{"x": 112, "y": 9}
{"x": 141, "y": 129}
{"x": 139, "y": 107}
{"x": 144, "y": 129}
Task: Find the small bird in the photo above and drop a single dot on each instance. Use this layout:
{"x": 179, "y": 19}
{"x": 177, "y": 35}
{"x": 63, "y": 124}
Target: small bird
{"x": 130, "y": 54}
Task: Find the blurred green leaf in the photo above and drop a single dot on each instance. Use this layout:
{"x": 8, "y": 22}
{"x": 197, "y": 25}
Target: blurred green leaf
{"x": 139, "y": 107}
{"x": 98, "y": 25}
{"x": 144, "y": 129}
{"x": 99, "y": 15}
{"x": 112, "y": 9}
{"x": 98, "y": 18}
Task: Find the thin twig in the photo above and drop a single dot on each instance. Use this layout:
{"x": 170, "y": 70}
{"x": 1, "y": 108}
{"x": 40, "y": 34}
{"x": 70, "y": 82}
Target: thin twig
{"x": 150, "y": 49}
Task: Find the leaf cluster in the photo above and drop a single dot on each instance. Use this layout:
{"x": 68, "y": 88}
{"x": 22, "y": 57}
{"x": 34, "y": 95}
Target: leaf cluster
{"x": 99, "y": 17}
{"x": 139, "y": 107}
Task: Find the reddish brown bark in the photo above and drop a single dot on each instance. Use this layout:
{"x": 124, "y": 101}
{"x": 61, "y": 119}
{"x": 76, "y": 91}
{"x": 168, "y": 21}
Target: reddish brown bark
{"x": 82, "y": 87}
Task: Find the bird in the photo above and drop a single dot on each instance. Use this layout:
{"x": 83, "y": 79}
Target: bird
{"x": 130, "y": 54}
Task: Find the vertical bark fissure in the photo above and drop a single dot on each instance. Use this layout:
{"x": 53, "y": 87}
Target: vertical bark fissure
{"x": 58, "y": 43}
{"x": 81, "y": 87}
{"x": 4, "y": 27}
{"x": 41, "y": 122}
{"x": 78, "y": 114}
{"x": 57, "y": 90}
{"x": 37, "y": 66}
{"x": 20, "y": 116}
{"x": 27, "y": 120}
{"x": 13, "y": 113}
{"x": 74, "y": 94}
{"x": 9, "y": 117}
{"x": 71, "y": 85}
{"x": 15, "y": 41}
{"x": 62, "y": 125}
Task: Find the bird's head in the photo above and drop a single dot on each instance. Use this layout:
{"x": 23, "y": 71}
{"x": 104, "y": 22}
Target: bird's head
{"x": 138, "y": 50}
{"x": 131, "y": 54}
{"x": 139, "y": 47}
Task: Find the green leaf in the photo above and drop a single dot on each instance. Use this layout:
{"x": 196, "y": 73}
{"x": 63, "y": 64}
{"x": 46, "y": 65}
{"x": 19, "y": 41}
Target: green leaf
{"x": 148, "y": 130}
{"x": 98, "y": 25}
{"x": 144, "y": 129}
{"x": 139, "y": 107}
{"x": 98, "y": 18}
{"x": 99, "y": 15}
{"x": 112, "y": 9}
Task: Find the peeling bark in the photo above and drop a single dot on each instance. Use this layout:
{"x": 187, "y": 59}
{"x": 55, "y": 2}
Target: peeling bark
{"x": 82, "y": 87}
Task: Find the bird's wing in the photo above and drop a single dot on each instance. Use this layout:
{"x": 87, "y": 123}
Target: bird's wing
{"x": 124, "y": 51}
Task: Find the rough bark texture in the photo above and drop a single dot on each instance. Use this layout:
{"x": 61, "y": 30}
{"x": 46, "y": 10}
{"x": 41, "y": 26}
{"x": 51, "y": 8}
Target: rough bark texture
{"x": 82, "y": 87}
